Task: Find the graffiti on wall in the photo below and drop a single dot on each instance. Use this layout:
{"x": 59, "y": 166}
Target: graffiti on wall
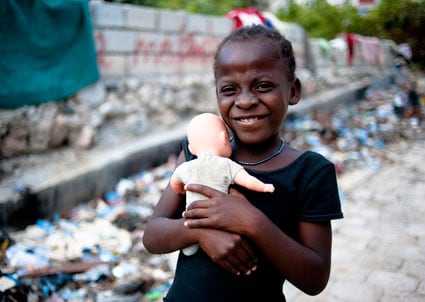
{"x": 171, "y": 51}
{"x": 100, "y": 43}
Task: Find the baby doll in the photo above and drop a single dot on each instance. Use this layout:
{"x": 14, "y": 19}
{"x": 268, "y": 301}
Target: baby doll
{"x": 209, "y": 141}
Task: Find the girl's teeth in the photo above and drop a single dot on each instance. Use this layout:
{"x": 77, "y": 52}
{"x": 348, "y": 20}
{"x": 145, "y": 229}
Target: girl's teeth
{"x": 247, "y": 120}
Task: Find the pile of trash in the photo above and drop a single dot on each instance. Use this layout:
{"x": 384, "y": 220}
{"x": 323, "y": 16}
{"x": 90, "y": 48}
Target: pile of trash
{"x": 356, "y": 135}
{"x": 95, "y": 252}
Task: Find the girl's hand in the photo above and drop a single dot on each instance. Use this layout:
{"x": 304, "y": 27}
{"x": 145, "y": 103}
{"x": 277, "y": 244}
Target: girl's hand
{"x": 229, "y": 212}
{"x": 229, "y": 250}
{"x": 221, "y": 217}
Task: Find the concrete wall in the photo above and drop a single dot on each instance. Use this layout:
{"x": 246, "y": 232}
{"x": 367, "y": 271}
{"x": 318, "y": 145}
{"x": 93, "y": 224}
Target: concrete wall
{"x": 139, "y": 41}
{"x": 144, "y": 42}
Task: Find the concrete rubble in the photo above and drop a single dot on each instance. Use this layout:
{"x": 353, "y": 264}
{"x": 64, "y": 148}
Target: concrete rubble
{"x": 94, "y": 252}
{"x": 134, "y": 106}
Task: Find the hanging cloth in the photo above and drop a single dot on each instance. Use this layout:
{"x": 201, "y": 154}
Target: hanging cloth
{"x": 47, "y": 51}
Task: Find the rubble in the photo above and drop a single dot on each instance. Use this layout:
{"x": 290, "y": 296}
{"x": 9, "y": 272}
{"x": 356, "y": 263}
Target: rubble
{"x": 95, "y": 252}
{"x": 128, "y": 108}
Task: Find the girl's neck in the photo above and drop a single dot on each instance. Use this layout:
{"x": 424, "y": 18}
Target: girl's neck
{"x": 257, "y": 153}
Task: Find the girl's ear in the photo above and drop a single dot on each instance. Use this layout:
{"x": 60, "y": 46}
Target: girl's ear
{"x": 295, "y": 92}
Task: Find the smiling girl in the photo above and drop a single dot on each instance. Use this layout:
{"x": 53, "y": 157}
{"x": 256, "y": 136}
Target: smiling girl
{"x": 251, "y": 242}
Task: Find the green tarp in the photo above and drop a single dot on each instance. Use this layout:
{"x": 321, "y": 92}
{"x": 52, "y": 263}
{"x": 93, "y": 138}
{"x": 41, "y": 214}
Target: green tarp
{"x": 47, "y": 51}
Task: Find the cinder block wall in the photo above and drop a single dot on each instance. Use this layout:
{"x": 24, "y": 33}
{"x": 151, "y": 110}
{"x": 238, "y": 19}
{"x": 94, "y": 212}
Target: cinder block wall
{"x": 145, "y": 42}
{"x": 141, "y": 41}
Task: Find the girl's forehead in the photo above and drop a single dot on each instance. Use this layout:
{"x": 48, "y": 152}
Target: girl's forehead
{"x": 248, "y": 52}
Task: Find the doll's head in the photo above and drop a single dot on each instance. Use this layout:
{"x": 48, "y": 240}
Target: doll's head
{"x": 207, "y": 133}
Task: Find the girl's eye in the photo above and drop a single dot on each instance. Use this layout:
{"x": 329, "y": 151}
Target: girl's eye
{"x": 227, "y": 90}
{"x": 264, "y": 86}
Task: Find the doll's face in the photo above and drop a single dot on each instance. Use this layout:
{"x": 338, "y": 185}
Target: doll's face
{"x": 253, "y": 90}
{"x": 207, "y": 133}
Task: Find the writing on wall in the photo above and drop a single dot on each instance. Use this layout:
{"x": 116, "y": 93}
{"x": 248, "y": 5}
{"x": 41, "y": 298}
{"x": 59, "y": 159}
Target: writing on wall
{"x": 135, "y": 41}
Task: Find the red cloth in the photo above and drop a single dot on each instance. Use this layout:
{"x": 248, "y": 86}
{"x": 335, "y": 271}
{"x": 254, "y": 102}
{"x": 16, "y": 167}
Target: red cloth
{"x": 350, "y": 45}
{"x": 245, "y": 17}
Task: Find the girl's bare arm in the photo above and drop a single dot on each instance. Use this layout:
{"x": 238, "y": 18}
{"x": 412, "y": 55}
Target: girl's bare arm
{"x": 306, "y": 262}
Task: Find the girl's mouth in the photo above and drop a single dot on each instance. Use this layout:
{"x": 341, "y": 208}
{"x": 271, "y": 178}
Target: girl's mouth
{"x": 248, "y": 120}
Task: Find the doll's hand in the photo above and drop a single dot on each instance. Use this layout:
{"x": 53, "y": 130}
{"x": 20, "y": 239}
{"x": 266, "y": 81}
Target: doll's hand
{"x": 230, "y": 212}
{"x": 229, "y": 250}
{"x": 269, "y": 188}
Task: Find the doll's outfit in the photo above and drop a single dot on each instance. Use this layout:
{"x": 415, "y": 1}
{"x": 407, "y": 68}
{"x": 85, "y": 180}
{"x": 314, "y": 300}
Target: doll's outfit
{"x": 209, "y": 170}
{"x": 305, "y": 190}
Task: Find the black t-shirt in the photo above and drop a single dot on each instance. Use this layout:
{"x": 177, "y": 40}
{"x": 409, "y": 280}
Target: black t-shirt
{"x": 305, "y": 190}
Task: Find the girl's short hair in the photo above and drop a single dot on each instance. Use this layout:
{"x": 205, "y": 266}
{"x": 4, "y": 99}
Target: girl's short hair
{"x": 262, "y": 33}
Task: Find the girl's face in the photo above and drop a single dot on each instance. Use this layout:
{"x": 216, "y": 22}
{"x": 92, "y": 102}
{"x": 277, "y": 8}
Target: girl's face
{"x": 253, "y": 90}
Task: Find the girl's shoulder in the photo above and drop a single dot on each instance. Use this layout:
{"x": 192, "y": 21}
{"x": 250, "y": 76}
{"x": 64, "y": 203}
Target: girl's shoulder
{"x": 311, "y": 157}
{"x": 309, "y": 160}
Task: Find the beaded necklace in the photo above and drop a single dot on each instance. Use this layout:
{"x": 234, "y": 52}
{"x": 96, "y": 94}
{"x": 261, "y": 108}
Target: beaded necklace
{"x": 255, "y": 163}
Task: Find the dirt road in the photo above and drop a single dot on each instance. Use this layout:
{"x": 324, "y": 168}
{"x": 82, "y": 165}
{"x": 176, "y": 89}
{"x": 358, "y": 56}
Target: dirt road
{"x": 379, "y": 247}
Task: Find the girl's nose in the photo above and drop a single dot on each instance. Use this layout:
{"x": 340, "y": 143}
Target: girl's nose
{"x": 246, "y": 100}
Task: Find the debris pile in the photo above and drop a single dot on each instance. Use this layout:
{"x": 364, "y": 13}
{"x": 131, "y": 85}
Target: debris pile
{"x": 356, "y": 135}
{"x": 125, "y": 109}
{"x": 108, "y": 112}
{"x": 95, "y": 252}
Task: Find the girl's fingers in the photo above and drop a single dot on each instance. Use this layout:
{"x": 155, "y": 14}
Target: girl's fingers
{"x": 196, "y": 213}
{"x": 242, "y": 266}
{"x": 242, "y": 259}
{"x": 196, "y": 223}
{"x": 228, "y": 265}
{"x": 247, "y": 258}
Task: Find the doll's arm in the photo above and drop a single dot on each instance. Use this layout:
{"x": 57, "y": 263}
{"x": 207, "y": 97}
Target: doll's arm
{"x": 248, "y": 181}
{"x": 176, "y": 184}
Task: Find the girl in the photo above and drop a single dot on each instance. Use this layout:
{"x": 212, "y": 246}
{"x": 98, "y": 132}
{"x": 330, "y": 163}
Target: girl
{"x": 252, "y": 242}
